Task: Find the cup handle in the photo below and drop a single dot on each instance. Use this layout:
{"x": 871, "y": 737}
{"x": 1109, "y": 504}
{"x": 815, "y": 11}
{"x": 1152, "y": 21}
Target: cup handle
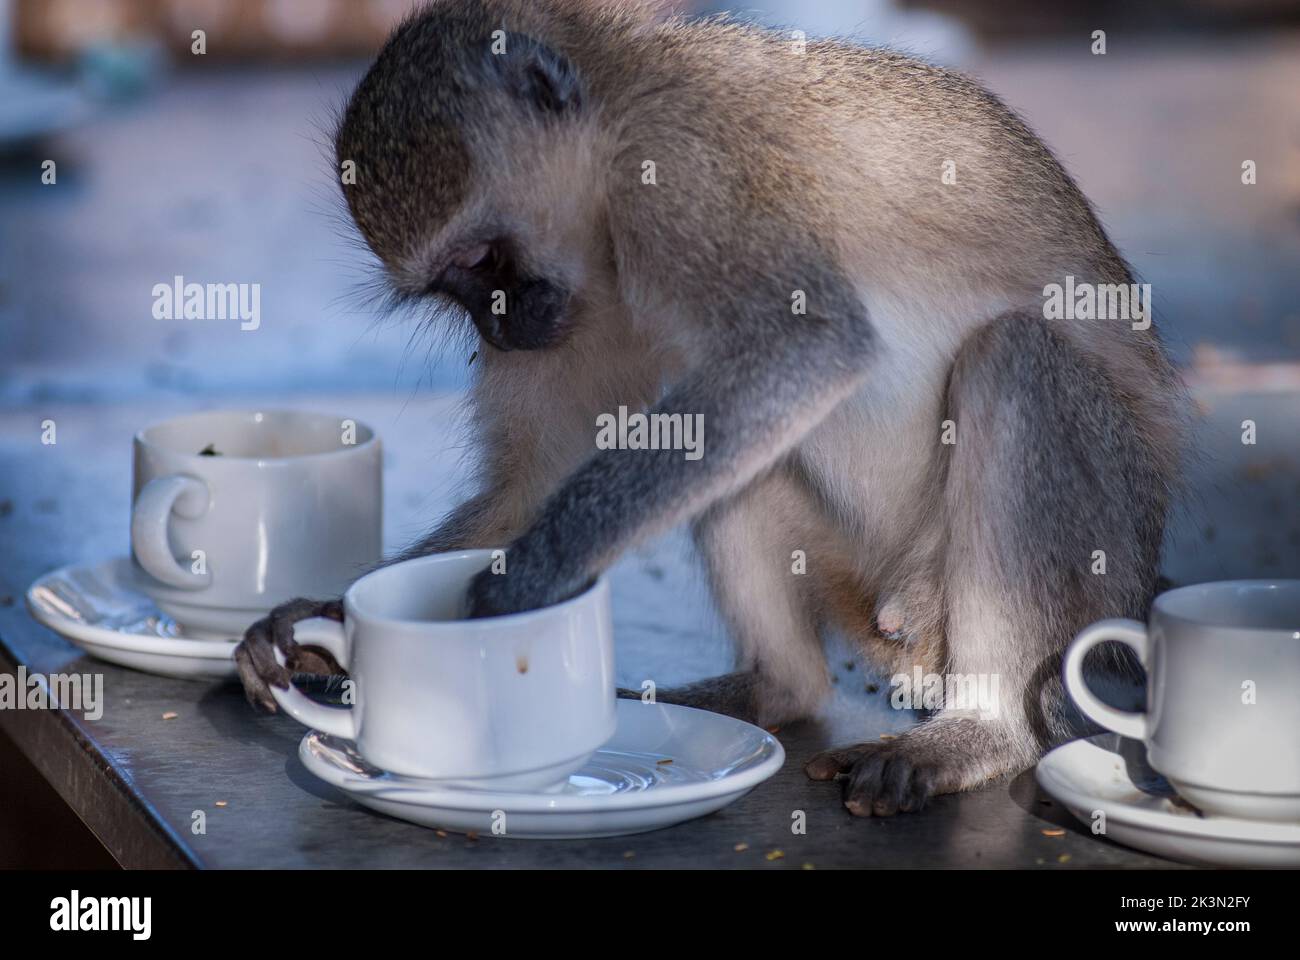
{"x": 338, "y": 721}
{"x": 1130, "y": 632}
{"x": 187, "y": 497}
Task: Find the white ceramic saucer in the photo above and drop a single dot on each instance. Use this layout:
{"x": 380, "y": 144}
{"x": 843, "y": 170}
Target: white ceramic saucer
{"x": 101, "y": 608}
{"x": 1110, "y": 773}
{"x": 625, "y": 788}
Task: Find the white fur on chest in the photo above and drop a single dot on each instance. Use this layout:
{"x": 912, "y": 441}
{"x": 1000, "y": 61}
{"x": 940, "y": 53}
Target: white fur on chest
{"x": 873, "y": 454}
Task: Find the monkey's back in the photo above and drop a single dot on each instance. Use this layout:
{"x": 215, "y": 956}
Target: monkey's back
{"x": 929, "y": 158}
{"x": 940, "y": 200}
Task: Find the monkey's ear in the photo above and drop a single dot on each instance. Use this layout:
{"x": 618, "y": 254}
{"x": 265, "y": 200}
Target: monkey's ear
{"x": 536, "y": 74}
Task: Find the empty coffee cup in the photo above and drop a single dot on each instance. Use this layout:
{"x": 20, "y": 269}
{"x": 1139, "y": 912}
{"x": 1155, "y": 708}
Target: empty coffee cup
{"x": 235, "y": 512}
{"x": 516, "y": 702}
{"x": 1223, "y": 714}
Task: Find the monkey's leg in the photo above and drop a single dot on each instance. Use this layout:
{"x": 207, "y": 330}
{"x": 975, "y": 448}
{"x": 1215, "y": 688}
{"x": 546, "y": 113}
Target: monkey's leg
{"x": 1050, "y": 466}
{"x": 748, "y": 543}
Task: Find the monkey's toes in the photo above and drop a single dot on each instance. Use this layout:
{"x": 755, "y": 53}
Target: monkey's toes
{"x": 885, "y": 781}
{"x": 256, "y": 690}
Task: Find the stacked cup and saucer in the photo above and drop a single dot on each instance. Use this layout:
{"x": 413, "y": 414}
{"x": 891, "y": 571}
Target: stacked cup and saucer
{"x": 504, "y": 726}
{"x": 1209, "y": 772}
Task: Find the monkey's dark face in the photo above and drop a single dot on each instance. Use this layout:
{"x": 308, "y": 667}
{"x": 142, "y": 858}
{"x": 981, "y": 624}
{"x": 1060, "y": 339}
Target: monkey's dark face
{"x": 512, "y": 309}
{"x": 431, "y": 132}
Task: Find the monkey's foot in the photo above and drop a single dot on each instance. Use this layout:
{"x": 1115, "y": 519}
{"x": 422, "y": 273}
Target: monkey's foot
{"x": 255, "y": 656}
{"x": 881, "y": 778}
{"x": 947, "y": 753}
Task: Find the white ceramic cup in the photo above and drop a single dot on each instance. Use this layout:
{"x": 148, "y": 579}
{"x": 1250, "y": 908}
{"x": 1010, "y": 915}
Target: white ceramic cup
{"x": 517, "y": 702}
{"x": 1223, "y": 693}
{"x": 291, "y": 506}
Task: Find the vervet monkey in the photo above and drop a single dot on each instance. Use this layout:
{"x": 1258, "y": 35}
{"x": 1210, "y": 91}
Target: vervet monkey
{"x": 838, "y": 256}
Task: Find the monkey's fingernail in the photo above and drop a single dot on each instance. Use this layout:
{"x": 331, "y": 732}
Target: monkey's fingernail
{"x": 859, "y": 808}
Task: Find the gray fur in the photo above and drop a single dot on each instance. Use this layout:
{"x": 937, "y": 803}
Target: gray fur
{"x": 776, "y": 172}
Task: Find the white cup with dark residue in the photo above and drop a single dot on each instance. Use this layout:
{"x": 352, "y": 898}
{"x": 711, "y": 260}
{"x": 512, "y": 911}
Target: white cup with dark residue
{"x": 234, "y": 512}
{"x": 516, "y": 702}
{"x": 1223, "y": 693}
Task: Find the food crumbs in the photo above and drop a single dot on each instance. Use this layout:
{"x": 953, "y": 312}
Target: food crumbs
{"x": 521, "y": 663}
{"x": 629, "y": 854}
{"x": 740, "y": 847}
{"x": 888, "y": 736}
{"x": 170, "y": 715}
{"x": 1054, "y": 832}
{"x": 774, "y": 730}
{"x": 663, "y": 762}
{"x": 221, "y": 803}
{"x": 1063, "y": 858}
{"x": 809, "y": 866}
{"x": 441, "y": 833}
{"x": 775, "y": 855}
{"x": 472, "y": 836}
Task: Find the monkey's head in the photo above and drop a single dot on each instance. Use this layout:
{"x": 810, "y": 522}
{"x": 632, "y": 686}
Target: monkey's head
{"x": 467, "y": 142}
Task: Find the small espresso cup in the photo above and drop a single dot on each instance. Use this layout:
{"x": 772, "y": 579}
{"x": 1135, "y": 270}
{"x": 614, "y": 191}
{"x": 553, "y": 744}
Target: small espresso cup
{"x": 1222, "y": 722}
{"x": 515, "y": 702}
{"x": 235, "y": 512}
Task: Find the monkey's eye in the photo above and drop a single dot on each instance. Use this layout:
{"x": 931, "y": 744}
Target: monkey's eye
{"x": 468, "y": 270}
{"x": 473, "y": 258}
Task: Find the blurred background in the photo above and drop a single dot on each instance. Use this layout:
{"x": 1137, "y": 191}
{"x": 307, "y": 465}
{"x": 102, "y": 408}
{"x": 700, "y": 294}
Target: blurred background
{"x": 213, "y": 166}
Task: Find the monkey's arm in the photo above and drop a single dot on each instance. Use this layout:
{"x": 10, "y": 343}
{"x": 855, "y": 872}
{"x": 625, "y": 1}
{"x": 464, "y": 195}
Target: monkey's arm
{"x": 526, "y": 441}
{"x": 768, "y": 378}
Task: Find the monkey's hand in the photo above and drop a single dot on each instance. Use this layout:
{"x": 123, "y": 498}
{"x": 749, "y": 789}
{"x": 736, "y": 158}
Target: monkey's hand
{"x": 527, "y": 580}
{"x": 255, "y": 656}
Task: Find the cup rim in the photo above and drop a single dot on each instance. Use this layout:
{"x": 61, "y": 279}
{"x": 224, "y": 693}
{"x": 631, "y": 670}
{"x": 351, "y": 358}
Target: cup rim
{"x": 1160, "y": 604}
{"x": 144, "y": 441}
{"x": 523, "y": 617}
